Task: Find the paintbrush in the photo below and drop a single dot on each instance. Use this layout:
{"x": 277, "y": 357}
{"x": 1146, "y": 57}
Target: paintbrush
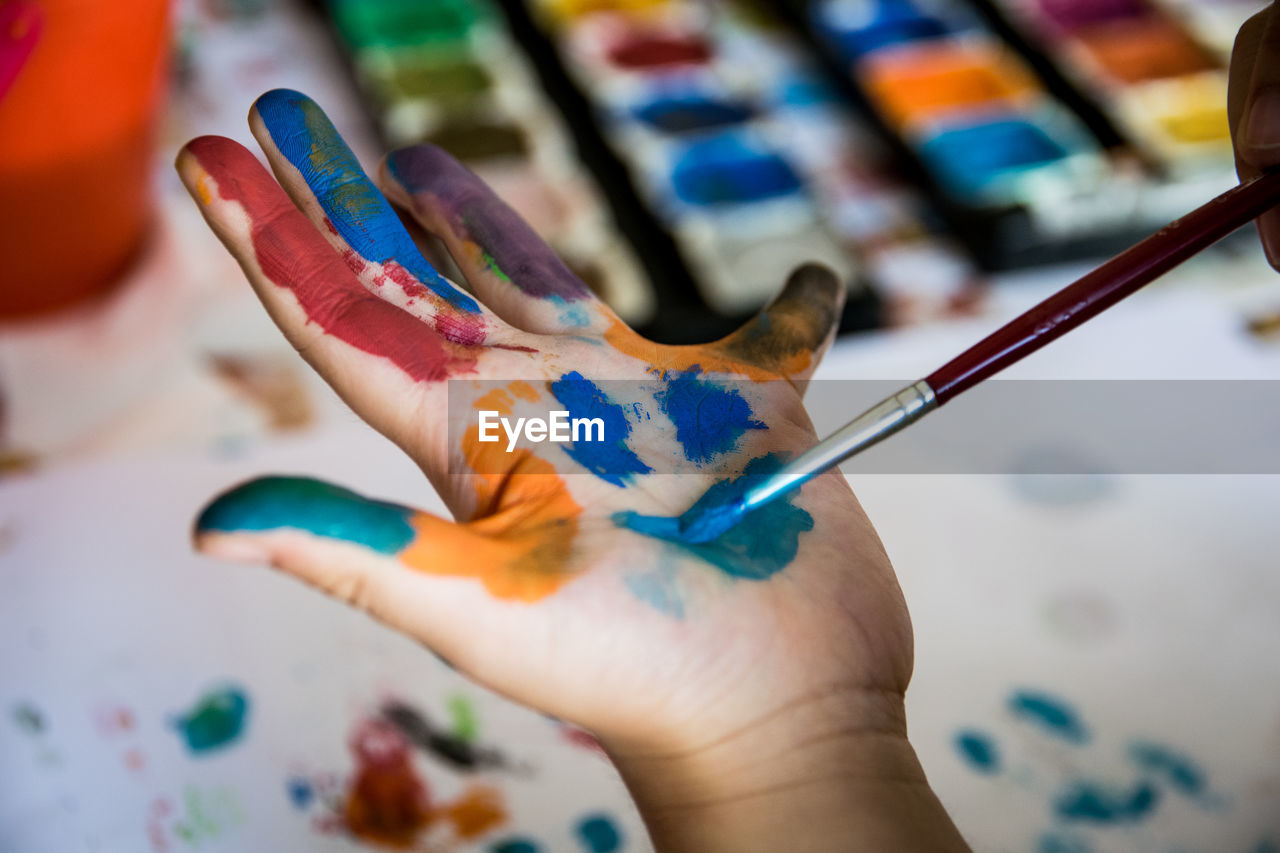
{"x": 1051, "y": 319}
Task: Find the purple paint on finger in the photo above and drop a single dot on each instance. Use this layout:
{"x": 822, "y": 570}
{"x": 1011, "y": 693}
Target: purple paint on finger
{"x": 500, "y": 239}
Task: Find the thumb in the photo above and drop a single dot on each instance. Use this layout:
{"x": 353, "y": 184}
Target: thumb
{"x": 791, "y": 334}
{"x": 410, "y": 569}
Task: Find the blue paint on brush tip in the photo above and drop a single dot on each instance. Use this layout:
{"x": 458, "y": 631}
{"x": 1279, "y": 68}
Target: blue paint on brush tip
{"x": 764, "y": 543}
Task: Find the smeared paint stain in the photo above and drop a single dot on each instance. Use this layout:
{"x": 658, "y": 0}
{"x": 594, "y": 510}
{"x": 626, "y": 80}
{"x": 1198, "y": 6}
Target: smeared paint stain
{"x": 28, "y": 718}
{"x": 709, "y": 418}
{"x": 460, "y": 753}
{"x": 464, "y": 722}
{"x": 476, "y": 811}
{"x": 1057, "y": 841}
{"x": 581, "y": 739}
{"x": 325, "y": 288}
{"x": 483, "y": 224}
{"x": 216, "y": 721}
{"x": 386, "y": 801}
{"x": 658, "y": 589}
{"x": 111, "y": 719}
{"x": 1049, "y": 713}
{"x": 599, "y": 834}
{"x": 761, "y": 545}
{"x": 207, "y": 815}
{"x": 515, "y": 845}
{"x": 1171, "y": 767}
{"x": 979, "y": 750}
{"x": 135, "y": 760}
{"x": 301, "y": 792}
{"x": 612, "y": 460}
{"x": 355, "y": 207}
{"x": 1094, "y": 802}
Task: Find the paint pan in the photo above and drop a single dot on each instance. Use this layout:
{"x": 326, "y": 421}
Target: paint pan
{"x": 920, "y": 82}
{"x": 690, "y": 111}
{"x": 400, "y": 23}
{"x": 859, "y": 27}
{"x": 651, "y": 50}
{"x": 1184, "y": 120}
{"x": 980, "y": 161}
{"x": 565, "y": 10}
{"x": 1070, "y": 16}
{"x": 452, "y": 82}
{"x": 731, "y": 168}
{"x": 1136, "y": 51}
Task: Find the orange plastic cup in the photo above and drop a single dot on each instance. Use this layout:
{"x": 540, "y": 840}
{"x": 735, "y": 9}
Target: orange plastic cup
{"x": 76, "y": 138}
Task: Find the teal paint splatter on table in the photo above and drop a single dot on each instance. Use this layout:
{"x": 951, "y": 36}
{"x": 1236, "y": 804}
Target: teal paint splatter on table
{"x": 761, "y": 545}
{"x": 300, "y": 503}
{"x": 612, "y": 460}
{"x": 216, "y": 721}
{"x": 1052, "y": 715}
{"x": 28, "y": 718}
{"x": 1095, "y": 802}
{"x": 599, "y": 834}
{"x": 979, "y": 751}
{"x": 709, "y": 418}
{"x": 1177, "y": 770}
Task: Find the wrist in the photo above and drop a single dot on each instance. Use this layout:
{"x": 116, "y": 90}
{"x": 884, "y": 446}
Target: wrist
{"x": 831, "y": 771}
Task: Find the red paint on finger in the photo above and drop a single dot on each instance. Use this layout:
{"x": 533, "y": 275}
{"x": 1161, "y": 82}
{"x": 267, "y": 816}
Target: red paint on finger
{"x": 294, "y": 255}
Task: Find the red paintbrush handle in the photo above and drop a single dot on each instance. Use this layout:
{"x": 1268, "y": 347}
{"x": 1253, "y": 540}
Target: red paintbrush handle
{"x": 1108, "y": 284}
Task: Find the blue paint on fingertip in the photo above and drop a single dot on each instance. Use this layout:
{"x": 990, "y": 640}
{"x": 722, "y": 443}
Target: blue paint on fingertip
{"x": 314, "y": 506}
{"x": 356, "y": 208}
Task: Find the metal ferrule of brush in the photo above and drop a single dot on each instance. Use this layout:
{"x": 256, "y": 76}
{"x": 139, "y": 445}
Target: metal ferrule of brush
{"x": 871, "y": 427}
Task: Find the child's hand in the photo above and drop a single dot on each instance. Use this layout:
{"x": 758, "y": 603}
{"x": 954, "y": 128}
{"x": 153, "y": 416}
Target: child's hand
{"x": 1255, "y": 110}
{"x": 757, "y": 658}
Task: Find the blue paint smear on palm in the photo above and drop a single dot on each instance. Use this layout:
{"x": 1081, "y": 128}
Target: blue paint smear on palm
{"x": 762, "y": 544}
{"x": 611, "y": 460}
{"x": 358, "y": 210}
{"x": 599, "y": 834}
{"x": 216, "y": 721}
{"x": 709, "y": 418}
{"x": 1049, "y": 713}
{"x": 300, "y": 503}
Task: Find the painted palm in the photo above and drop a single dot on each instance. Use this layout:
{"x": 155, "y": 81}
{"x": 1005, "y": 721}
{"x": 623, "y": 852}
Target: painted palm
{"x": 543, "y": 588}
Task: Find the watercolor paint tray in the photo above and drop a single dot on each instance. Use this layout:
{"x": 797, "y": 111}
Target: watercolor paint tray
{"x": 1024, "y": 166}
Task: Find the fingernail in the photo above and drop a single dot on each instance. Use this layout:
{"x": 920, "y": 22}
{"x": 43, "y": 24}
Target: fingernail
{"x": 235, "y": 549}
{"x": 1262, "y": 132}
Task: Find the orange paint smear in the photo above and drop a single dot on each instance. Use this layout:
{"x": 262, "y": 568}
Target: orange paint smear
{"x": 710, "y": 358}
{"x": 478, "y": 810}
{"x": 521, "y": 545}
{"x": 1139, "y": 51}
{"x": 923, "y": 82}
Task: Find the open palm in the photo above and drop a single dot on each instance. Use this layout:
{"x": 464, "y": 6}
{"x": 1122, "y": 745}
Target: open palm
{"x": 543, "y": 589}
